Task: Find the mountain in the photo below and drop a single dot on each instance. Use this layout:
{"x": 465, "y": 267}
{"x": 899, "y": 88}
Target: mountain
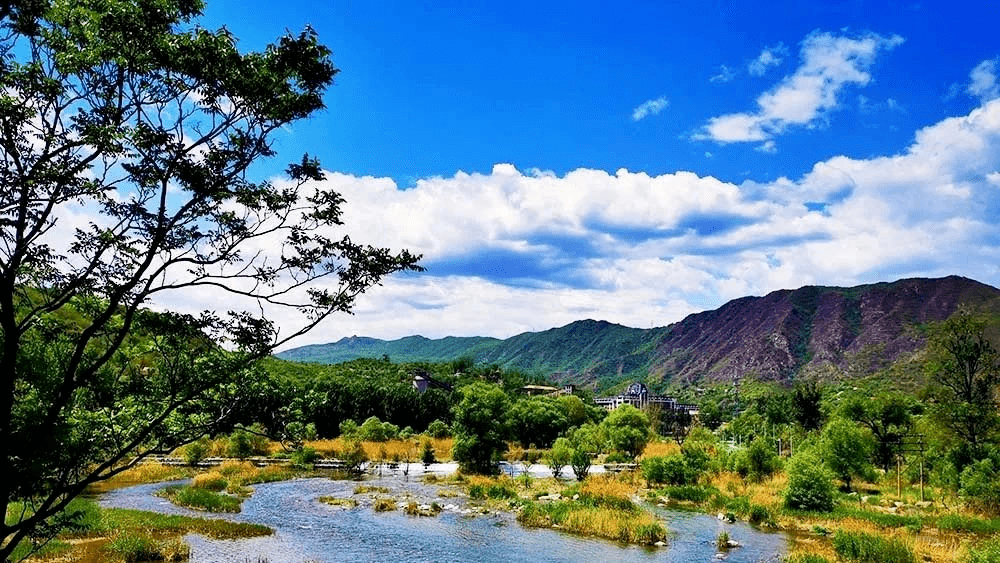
{"x": 774, "y": 337}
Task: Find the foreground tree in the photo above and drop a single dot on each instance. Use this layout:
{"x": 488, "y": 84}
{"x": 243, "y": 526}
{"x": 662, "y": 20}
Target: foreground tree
{"x": 130, "y": 115}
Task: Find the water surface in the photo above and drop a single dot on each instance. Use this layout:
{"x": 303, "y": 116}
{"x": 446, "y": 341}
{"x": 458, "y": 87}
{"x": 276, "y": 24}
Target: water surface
{"x": 309, "y": 531}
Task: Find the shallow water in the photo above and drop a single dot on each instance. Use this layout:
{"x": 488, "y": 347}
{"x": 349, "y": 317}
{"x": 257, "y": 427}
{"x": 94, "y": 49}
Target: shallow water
{"x": 309, "y": 531}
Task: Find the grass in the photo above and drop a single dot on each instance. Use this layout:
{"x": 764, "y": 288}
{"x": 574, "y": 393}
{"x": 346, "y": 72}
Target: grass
{"x": 626, "y": 526}
{"x": 139, "y": 474}
{"x": 133, "y": 547}
{"x": 863, "y": 548}
{"x": 201, "y": 499}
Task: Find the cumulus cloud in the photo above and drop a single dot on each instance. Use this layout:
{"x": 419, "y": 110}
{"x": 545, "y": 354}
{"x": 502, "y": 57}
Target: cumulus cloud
{"x": 828, "y": 64}
{"x": 649, "y": 107}
{"x": 983, "y": 82}
{"x": 509, "y": 251}
{"x": 770, "y": 56}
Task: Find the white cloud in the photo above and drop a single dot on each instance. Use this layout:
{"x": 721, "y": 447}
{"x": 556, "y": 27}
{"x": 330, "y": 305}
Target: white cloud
{"x": 725, "y": 74}
{"x": 983, "y": 82}
{"x": 770, "y": 56}
{"x": 645, "y": 250}
{"x": 828, "y": 64}
{"x": 649, "y": 107}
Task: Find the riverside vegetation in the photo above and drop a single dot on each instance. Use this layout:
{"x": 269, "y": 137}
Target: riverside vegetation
{"x": 837, "y": 464}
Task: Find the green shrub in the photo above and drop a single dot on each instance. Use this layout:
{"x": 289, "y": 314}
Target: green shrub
{"x": 808, "y": 558}
{"x": 477, "y": 492}
{"x": 759, "y": 515}
{"x": 985, "y": 552}
{"x": 348, "y": 429}
{"x": 196, "y": 451}
{"x": 559, "y": 456}
{"x": 427, "y": 456}
{"x": 305, "y": 457}
{"x": 864, "y": 548}
{"x": 500, "y": 491}
{"x": 438, "y": 429}
{"x": 672, "y": 470}
{"x": 692, "y": 493}
{"x": 980, "y": 487}
{"x": 810, "y": 484}
{"x": 960, "y": 523}
{"x": 580, "y": 461}
{"x": 354, "y": 457}
{"x": 240, "y": 446}
{"x": 761, "y": 460}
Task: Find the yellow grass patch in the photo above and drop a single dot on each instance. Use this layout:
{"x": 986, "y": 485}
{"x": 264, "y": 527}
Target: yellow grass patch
{"x": 608, "y": 486}
{"x": 657, "y": 449}
{"x": 142, "y": 473}
{"x": 387, "y": 451}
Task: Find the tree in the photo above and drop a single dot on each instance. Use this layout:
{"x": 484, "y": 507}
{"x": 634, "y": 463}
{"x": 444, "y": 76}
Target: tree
{"x": 807, "y": 403}
{"x": 964, "y": 369}
{"x": 889, "y": 417}
{"x": 810, "y": 485}
{"x": 560, "y": 456}
{"x": 480, "y": 428}
{"x": 537, "y": 420}
{"x": 131, "y": 114}
{"x": 627, "y": 429}
{"x": 846, "y": 450}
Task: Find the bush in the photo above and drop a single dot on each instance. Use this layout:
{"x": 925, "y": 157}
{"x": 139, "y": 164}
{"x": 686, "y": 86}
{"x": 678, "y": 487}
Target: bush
{"x": 305, "y": 457}
{"x": 438, "y": 429}
{"x": 810, "y": 484}
{"x": 427, "y": 455}
{"x": 761, "y": 461}
{"x": 862, "y": 548}
{"x": 354, "y": 457}
{"x": 672, "y": 470}
{"x": 580, "y": 461}
{"x": 196, "y": 451}
{"x": 348, "y": 429}
{"x": 980, "y": 487}
{"x": 986, "y": 552}
{"x": 239, "y": 445}
{"x": 560, "y": 456}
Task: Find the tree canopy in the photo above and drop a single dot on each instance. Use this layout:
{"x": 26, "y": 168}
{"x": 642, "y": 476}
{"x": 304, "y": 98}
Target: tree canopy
{"x": 127, "y": 134}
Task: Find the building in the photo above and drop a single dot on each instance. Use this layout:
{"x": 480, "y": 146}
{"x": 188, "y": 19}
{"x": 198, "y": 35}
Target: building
{"x": 422, "y": 381}
{"x": 532, "y": 390}
{"x": 638, "y": 396}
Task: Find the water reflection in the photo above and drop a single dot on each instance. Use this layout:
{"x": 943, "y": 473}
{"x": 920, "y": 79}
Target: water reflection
{"x": 309, "y": 531}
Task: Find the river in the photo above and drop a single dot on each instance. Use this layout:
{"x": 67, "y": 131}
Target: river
{"x": 308, "y": 531}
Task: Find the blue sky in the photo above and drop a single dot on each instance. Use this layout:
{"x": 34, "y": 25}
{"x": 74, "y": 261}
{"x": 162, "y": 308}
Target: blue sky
{"x": 639, "y": 161}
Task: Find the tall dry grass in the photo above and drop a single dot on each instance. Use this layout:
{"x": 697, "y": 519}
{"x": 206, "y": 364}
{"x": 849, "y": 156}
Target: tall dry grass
{"x": 391, "y": 450}
{"x": 143, "y": 473}
{"x": 657, "y": 449}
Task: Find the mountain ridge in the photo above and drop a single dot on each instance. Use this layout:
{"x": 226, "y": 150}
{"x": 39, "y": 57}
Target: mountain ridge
{"x": 774, "y": 337}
